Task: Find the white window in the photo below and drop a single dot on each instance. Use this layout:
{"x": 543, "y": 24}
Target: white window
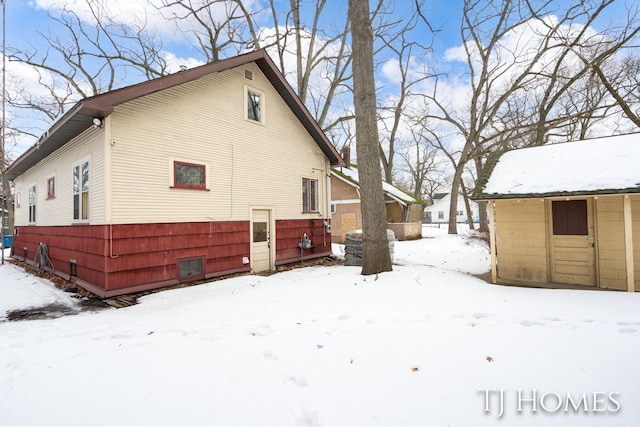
{"x": 81, "y": 191}
{"x": 255, "y": 105}
{"x": 32, "y": 203}
{"x": 309, "y": 195}
{"x": 51, "y": 187}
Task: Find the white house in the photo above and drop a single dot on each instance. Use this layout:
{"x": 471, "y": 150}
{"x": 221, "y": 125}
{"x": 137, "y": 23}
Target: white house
{"x": 438, "y": 213}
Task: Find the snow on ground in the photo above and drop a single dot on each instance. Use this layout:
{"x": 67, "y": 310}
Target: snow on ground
{"x": 421, "y": 345}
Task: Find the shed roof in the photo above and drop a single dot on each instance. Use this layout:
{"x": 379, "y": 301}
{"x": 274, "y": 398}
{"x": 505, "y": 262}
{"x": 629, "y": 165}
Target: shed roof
{"x": 351, "y": 176}
{"x": 595, "y": 166}
{"x": 80, "y": 116}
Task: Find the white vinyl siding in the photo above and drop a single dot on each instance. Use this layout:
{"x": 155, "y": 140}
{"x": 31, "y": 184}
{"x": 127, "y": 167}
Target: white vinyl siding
{"x": 203, "y": 122}
{"x": 59, "y": 210}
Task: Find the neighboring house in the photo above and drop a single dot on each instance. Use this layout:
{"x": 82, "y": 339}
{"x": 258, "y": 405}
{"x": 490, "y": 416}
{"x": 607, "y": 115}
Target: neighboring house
{"x": 438, "y": 213}
{"x": 185, "y": 177}
{"x": 567, "y": 213}
{"x": 404, "y": 212}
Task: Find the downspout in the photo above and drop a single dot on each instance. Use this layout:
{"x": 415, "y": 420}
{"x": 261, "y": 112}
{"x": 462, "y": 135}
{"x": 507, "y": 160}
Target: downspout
{"x": 110, "y": 145}
{"x": 327, "y": 181}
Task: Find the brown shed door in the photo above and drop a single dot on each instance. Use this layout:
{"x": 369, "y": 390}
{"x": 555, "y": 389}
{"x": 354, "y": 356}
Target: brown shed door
{"x": 572, "y": 252}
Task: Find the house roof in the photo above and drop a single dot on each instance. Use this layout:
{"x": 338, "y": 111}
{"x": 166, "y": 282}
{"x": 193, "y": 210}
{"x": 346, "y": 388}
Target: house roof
{"x": 80, "y": 116}
{"x": 596, "y": 166}
{"x": 350, "y": 176}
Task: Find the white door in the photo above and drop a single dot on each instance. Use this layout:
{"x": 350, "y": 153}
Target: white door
{"x": 261, "y": 240}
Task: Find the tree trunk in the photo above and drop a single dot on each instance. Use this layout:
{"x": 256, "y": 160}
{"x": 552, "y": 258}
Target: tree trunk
{"x": 467, "y": 206}
{"x": 483, "y": 227}
{"x": 375, "y": 245}
{"x": 453, "y": 204}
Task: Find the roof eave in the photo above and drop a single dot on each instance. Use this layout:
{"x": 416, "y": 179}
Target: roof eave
{"x": 554, "y": 194}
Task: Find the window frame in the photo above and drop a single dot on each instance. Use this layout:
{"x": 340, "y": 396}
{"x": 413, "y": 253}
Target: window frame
{"x": 262, "y": 111}
{"x": 175, "y": 184}
{"x": 310, "y": 198}
{"x": 84, "y": 208}
{"x": 51, "y": 187}
{"x": 33, "y": 203}
{"x": 191, "y": 277}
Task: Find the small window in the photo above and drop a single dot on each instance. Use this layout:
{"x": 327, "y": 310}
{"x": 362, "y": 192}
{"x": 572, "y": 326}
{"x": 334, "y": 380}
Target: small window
{"x": 309, "y": 195}
{"x": 570, "y": 218}
{"x": 259, "y": 232}
{"x": 51, "y": 188}
{"x": 32, "y": 203}
{"x": 189, "y": 175}
{"x": 248, "y": 74}
{"x": 333, "y": 208}
{"x": 254, "y": 105}
{"x": 191, "y": 268}
{"x": 440, "y": 214}
{"x": 460, "y": 213}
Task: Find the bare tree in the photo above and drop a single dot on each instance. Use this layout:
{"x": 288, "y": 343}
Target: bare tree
{"x": 216, "y": 28}
{"x": 84, "y": 56}
{"x": 376, "y": 256}
{"x": 515, "y": 53}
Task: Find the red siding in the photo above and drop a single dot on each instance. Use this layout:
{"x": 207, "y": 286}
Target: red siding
{"x": 288, "y": 234}
{"x": 119, "y": 259}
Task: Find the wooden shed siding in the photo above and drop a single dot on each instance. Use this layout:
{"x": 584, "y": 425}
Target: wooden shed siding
{"x": 635, "y": 213}
{"x": 59, "y": 210}
{"x": 521, "y": 240}
{"x": 203, "y": 122}
{"x": 610, "y": 242}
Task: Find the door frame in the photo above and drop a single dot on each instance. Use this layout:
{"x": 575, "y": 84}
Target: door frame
{"x": 271, "y": 234}
{"x": 592, "y": 235}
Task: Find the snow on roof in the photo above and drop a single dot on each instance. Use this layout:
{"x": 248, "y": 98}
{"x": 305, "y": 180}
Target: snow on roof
{"x": 352, "y": 174}
{"x": 598, "y": 165}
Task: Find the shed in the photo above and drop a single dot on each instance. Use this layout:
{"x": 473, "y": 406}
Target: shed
{"x": 567, "y": 214}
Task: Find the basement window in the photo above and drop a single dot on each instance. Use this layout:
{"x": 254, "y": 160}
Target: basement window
{"x": 191, "y": 268}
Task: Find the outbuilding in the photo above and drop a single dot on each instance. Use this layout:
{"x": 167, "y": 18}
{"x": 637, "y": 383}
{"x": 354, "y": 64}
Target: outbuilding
{"x": 567, "y": 214}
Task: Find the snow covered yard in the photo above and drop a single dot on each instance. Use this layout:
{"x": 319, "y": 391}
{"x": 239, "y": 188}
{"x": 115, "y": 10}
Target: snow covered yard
{"x": 427, "y": 344}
